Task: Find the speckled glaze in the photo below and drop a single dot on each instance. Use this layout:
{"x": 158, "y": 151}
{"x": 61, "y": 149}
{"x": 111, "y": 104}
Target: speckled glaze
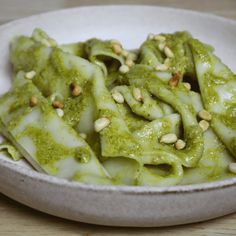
{"x": 122, "y": 205}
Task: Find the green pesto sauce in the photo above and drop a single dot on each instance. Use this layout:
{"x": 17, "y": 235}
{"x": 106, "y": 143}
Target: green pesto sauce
{"x": 150, "y": 54}
{"x": 77, "y": 49}
{"x": 101, "y": 46}
{"x": 55, "y": 74}
{"x": 194, "y": 138}
{"x": 39, "y": 35}
{"x": 89, "y": 178}
{"x": 166, "y": 126}
{"x": 74, "y": 106}
{"x": 176, "y": 42}
{"x": 182, "y": 62}
{"x": 140, "y": 74}
{"x": 21, "y": 105}
{"x": 215, "y": 170}
{"x": 72, "y": 110}
{"x": 47, "y": 150}
{"x": 200, "y": 51}
{"x": 27, "y": 55}
{"x": 230, "y": 114}
{"x": 100, "y": 52}
{"x": 151, "y": 135}
{"x": 227, "y": 119}
{"x": 93, "y": 140}
{"x": 233, "y": 144}
{"x": 210, "y": 95}
{"x": 192, "y": 153}
{"x": 121, "y": 144}
{"x": 111, "y": 80}
{"x": 67, "y": 71}
{"x": 83, "y": 155}
{"x": 133, "y": 121}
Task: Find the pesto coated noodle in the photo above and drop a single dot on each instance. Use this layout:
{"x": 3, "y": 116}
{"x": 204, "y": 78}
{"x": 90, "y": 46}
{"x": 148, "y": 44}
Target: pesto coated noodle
{"x": 161, "y": 115}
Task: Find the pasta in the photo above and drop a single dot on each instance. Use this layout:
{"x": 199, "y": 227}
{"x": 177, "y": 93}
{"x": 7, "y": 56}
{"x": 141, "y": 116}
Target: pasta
{"x": 93, "y": 112}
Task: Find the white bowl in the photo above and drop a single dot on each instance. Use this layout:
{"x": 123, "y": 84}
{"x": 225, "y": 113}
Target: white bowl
{"x": 122, "y": 205}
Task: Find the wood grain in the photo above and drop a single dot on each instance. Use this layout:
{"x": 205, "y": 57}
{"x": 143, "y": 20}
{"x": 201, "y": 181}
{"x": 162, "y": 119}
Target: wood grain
{"x": 19, "y": 220}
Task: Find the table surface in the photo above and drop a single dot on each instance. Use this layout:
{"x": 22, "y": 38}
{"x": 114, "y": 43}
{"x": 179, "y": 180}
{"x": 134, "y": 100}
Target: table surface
{"x": 16, "y": 219}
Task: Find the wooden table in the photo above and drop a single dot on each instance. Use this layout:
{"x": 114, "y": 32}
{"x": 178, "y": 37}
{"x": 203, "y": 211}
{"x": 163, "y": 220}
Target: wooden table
{"x": 16, "y": 219}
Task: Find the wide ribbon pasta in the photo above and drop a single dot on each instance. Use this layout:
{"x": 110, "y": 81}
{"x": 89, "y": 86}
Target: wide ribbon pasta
{"x": 97, "y": 113}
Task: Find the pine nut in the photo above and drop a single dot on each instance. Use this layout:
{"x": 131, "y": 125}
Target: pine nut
{"x": 60, "y": 112}
{"x": 118, "y": 97}
{"x": 173, "y": 82}
{"x": 187, "y": 86}
{"x": 33, "y": 101}
{"x": 205, "y": 115}
{"x": 117, "y": 49}
{"x": 169, "y": 138}
{"x": 168, "y": 52}
{"x": 124, "y": 69}
{"x": 204, "y": 125}
{"x": 30, "y": 75}
{"x": 180, "y": 144}
{"x": 57, "y": 104}
{"x": 101, "y": 123}
{"x": 137, "y": 93}
{"x": 76, "y": 90}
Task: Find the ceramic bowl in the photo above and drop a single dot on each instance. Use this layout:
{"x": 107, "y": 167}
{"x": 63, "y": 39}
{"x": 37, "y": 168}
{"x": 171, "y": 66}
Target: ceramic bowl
{"x": 120, "y": 205}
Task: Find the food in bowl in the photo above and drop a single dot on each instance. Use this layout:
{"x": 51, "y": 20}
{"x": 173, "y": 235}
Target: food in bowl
{"x": 160, "y": 115}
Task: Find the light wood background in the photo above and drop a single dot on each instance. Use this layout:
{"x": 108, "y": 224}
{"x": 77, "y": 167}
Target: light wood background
{"x": 17, "y": 220}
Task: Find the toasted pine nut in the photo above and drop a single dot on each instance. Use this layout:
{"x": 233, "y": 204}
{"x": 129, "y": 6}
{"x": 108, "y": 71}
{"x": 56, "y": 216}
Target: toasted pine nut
{"x": 57, "y": 104}
{"x": 173, "y": 82}
{"x": 33, "y": 101}
{"x": 116, "y": 48}
{"x": 76, "y": 90}
{"x": 180, "y": 144}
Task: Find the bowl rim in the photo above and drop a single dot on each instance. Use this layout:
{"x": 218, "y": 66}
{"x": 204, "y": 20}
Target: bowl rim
{"x": 32, "y": 174}
{"x": 140, "y": 190}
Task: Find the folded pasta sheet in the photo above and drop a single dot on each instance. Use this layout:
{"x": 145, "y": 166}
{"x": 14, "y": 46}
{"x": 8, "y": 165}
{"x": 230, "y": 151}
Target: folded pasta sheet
{"x": 218, "y": 88}
{"x": 45, "y": 140}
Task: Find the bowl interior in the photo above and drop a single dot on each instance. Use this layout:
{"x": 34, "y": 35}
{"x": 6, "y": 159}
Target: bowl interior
{"x": 130, "y": 25}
